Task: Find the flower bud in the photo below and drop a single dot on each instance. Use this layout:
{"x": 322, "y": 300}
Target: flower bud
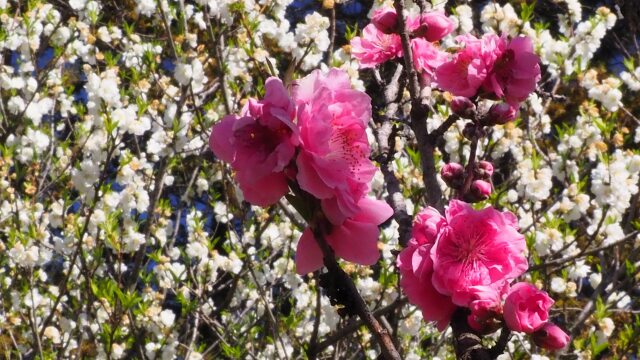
{"x": 385, "y": 19}
{"x": 480, "y": 189}
{"x": 483, "y": 170}
{"x": 463, "y": 107}
{"x": 501, "y": 113}
{"x": 551, "y": 337}
{"x": 432, "y": 26}
{"x": 453, "y": 175}
{"x": 526, "y": 309}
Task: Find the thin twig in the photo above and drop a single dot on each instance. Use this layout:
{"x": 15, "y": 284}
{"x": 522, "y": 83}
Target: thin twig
{"x": 357, "y": 323}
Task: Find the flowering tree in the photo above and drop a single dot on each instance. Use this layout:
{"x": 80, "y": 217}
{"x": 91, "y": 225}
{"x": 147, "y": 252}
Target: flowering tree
{"x": 319, "y": 179}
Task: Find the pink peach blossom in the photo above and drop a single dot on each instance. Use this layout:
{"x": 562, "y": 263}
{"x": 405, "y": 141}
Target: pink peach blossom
{"x": 355, "y": 240}
{"x": 515, "y": 72}
{"x": 464, "y": 74}
{"x": 259, "y": 144}
{"x": 416, "y": 269}
{"x": 476, "y": 248}
{"x": 426, "y": 58}
{"x": 526, "y": 309}
{"x": 333, "y": 161}
{"x": 551, "y": 337}
{"x": 375, "y": 47}
{"x": 432, "y": 26}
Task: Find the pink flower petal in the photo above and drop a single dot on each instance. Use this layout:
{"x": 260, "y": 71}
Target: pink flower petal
{"x": 308, "y": 254}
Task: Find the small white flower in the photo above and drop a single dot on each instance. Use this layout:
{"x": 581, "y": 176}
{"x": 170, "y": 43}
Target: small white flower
{"x": 558, "y": 285}
{"x": 167, "y": 317}
{"x": 15, "y": 105}
{"x": 53, "y": 334}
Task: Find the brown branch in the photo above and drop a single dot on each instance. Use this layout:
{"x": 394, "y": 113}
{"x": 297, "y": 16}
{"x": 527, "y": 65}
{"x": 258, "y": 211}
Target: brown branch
{"x": 385, "y": 133}
{"x": 312, "y": 351}
{"x": 437, "y": 133}
{"x": 356, "y": 324}
{"x": 471, "y": 162}
{"x": 344, "y": 283}
{"x": 467, "y": 343}
{"x": 503, "y": 340}
{"x": 418, "y": 114}
{"x": 332, "y": 34}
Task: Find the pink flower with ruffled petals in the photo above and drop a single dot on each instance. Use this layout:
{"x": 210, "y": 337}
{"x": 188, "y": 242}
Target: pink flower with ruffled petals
{"x": 259, "y": 144}
{"x": 355, "y": 240}
{"x": 333, "y": 166}
{"x": 416, "y": 269}
{"x": 333, "y": 162}
{"x": 463, "y": 75}
{"x": 426, "y": 58}
{"x": 432, "y": 26}
{"x": 476, "y": 248}
{"x": 515, "y": 72}
{"x": 526, "y": 309}
{"x": 375, "y": 47}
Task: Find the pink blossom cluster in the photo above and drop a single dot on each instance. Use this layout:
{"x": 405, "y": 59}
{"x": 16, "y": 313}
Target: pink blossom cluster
{"x": 454, "y": 176}
{"x": 493, "y": 67}
{"x": 469, "y": 258}
{"x": 315, "y": 137}
{"x": 380, "y": 40}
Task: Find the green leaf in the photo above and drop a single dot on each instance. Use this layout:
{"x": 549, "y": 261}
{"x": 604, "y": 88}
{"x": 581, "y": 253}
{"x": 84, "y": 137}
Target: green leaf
{"x": 526, "y": 11}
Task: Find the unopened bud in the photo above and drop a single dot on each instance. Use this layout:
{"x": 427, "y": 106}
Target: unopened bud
{"x": 463, "y": 107}
{"x": 385, "y": 19}
{"x": 501, "y": 114}
{"x": 480, "y": 189}
{"x": 483, "y": 170}
{"x": 551, "y": 337}
{"x": 453, "y": 175}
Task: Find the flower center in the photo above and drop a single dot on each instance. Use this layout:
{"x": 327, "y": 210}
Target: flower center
{"x": 260, "y": 138}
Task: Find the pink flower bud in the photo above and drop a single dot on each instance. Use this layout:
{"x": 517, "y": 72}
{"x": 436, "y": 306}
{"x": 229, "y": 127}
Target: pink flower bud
{"x": 501, "y": 113}
{"x": 551, "y": 337}
{"x": 481, "y": 189}
{"x": 385, "y": 19}
{"x": 463, "y": 107}
{"x": 432, "y": 26}
{"x": 483, "y": 170}
{"x": 453, "y": 175}
{"x": 526, "y": 309}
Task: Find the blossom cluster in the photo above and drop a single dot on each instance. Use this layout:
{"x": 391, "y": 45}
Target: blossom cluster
{"x": 468, "y": 258}
{"x": 491, "y": 66}
{"x": 317, "y": 139}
